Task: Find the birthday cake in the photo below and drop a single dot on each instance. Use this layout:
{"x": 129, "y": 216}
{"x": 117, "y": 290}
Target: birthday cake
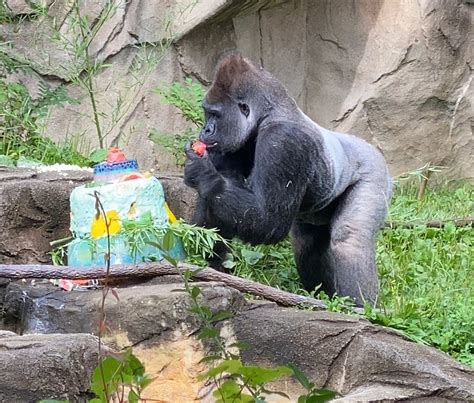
{"x": 124, "y": 206}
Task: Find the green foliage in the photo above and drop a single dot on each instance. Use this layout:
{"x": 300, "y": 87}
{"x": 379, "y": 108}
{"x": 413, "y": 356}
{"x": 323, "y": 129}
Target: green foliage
{"x": 187, "y": 97}
{"x": 23, "y": 117}
{"x": 267, "y": 264}
{"x": 313, "y": 394}
{"x": 426, "y": 273}
{"x": 174, "y": 143}
{"x": 37, "y": 10}
{"x": 198, "y": 242}
{"x": 119, "y": 376}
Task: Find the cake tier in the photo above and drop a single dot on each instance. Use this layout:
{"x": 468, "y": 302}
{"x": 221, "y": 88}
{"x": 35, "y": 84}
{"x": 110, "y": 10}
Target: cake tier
{"x": 107, "y": 172}
{"x": 130, "y": 207}
{"x": 123, "y": 200}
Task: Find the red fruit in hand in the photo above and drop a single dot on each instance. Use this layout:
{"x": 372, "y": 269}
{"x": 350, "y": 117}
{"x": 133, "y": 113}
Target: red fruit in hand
{"x": 199, "y": 147}
{"x": 115, "y": 155}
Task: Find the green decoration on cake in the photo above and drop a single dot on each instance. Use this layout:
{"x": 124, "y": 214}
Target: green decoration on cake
{"x": 135, "y": 208}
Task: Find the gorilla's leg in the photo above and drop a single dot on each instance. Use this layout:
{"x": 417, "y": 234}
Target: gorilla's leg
{"x": 310, "y": 245}
{"x": 351, "y": 256}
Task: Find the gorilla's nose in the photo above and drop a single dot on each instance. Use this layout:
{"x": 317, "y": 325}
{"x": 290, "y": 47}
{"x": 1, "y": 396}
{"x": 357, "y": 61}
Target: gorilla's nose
{"x": 207, "y": 133}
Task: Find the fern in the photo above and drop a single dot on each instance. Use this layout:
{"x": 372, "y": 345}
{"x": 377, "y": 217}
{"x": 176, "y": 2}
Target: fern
{"x": 187, "y": 97}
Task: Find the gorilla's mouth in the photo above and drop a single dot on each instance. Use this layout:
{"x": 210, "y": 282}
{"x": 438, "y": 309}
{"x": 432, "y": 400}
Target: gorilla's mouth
{"x": 212, "y": 145}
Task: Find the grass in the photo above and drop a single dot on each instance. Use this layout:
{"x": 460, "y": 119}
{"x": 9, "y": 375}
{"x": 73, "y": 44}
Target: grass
{"x": 427, "y": 274}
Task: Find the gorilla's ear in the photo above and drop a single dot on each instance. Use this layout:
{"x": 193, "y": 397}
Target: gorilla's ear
{"x": 229, "y": 75}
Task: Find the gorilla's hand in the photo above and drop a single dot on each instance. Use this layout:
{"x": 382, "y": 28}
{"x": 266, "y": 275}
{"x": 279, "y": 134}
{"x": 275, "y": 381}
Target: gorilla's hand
{"x": 198, "y": 171}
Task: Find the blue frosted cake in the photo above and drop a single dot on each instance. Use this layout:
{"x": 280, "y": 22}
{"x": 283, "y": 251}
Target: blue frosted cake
{"x": 135, "y": 208}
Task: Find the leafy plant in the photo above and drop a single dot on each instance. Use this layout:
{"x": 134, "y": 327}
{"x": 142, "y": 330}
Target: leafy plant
{"x": 83, "y": 67}
{"x": 187, "y": 97}
{"x": 23, "y": 118}
{"x": 124, "y": 376}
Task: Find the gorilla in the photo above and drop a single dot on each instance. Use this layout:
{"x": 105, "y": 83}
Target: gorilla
{"x": 270, "y": 171}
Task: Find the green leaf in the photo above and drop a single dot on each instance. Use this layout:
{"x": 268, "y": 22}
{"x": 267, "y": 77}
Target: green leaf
{"x": 134, "y": 364}
{"x": 110, "y": 369}
{"x": 171, "y": 260}
{"x": 98, "y": 155}
{"x": 257, "y": 376}
{"x": 229, "y": 389}
{"x": 251, "y": 256}
{"x": 241, "y": 345}
{"x": 133, "y": 397}
{"x": 222, "y": 315}
{"x": 169, "y": 241}
{"x": 207, "y": 333}
{"x": 321, "y": 395}
{"x": 210, "y": 358}
{"x": 228, "y": 264}
{"x": 301, "y": 377}
{"x": 195, "y": 291}
{"x": 228, "y": 366}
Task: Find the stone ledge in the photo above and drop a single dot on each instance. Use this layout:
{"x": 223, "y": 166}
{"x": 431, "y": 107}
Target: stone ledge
{"x": 363, "y": 362}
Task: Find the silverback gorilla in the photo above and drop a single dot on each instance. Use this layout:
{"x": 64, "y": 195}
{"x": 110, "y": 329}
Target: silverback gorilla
{"x": 269, "y": 170}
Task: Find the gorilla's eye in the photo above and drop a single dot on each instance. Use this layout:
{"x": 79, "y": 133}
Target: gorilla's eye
{"x": 244, "y": 108}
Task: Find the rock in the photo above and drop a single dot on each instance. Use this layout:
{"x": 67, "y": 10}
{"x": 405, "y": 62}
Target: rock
{"x": 34, "y": 209}
{"x": 18, "y": 7}
{"x": 141, "y": 313}
{"x": 361, "y": 361}
{"x": 46, "y": 366}
{"x": 181, "y": 199}
{"x": 153, "y": 318}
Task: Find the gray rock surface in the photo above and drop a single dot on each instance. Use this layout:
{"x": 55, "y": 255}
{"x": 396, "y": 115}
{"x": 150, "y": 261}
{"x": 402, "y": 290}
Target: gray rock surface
{"x": 361, "y": 361}
{"x": 46, "y": 366}
{"x": 143, "y": 312}
{"x": 34, "y": 210}
{"x": 405, "y": 87}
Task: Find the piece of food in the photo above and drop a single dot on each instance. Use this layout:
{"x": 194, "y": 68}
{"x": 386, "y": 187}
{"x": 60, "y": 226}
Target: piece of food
{"x": 199, "y": 147}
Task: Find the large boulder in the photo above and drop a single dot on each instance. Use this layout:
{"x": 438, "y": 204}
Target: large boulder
{"x": 34, "y": 210}
{"x": 407, "y": 88}
{"x": 46, "y": 366}
{"x": 361, "y": 361}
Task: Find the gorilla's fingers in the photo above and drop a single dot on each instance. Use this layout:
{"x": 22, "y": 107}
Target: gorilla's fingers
{"x": 190, "y": 154}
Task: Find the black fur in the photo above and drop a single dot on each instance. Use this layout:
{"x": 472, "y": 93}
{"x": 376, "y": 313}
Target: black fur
{"x": 270, "y": 171}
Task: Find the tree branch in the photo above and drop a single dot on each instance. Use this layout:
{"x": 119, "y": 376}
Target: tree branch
{"x": 22, "y": 271}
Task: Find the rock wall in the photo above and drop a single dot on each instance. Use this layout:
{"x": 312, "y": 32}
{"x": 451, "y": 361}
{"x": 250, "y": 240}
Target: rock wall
{"x": 397, "y": 73}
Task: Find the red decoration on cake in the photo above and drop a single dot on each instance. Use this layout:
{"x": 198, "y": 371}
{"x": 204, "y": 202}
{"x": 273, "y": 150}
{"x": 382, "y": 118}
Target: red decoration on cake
{"x": 115, "y": 155}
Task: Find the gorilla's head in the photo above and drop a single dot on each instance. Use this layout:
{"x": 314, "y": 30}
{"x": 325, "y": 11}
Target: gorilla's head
{"x": 240, "y": 98}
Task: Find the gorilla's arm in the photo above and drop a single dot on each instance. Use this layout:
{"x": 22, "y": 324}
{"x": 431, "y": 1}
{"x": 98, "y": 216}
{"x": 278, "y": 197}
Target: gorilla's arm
{"x": 261, "y": 209}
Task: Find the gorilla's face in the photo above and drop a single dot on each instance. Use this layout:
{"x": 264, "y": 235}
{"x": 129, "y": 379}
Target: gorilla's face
{"x": 230, "y": 122}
